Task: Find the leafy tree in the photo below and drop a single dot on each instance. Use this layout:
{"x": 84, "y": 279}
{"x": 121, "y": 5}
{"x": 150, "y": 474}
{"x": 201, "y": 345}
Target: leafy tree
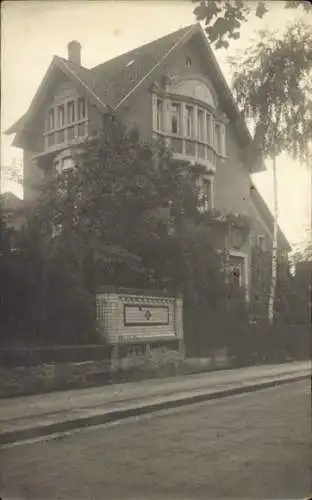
{"x": 223, "y": 18}
{"x": 112, "y": 209}
{"x": 271, "y": 85}
{"x": 125, "y": 215}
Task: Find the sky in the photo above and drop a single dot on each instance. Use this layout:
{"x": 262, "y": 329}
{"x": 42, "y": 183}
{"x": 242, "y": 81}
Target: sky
{"x": 34, "y": 31}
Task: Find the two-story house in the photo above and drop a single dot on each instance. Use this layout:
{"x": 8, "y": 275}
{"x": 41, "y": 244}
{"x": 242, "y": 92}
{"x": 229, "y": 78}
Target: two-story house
{"x": 171, "y": 88}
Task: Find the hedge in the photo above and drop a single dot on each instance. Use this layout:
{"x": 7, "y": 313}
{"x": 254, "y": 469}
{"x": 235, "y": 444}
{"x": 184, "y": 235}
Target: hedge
{"x": 34, "y": 356}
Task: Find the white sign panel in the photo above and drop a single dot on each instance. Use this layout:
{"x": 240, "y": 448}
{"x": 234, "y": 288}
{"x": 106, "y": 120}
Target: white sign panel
{"x": 137, "y": 315}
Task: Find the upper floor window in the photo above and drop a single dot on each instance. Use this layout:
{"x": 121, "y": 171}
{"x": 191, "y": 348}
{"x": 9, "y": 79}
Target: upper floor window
{"x": 208, "y": 129}
{"x": 71, "y": 115}
{"x": 176, "y": 118}
{"x": 205, "y": 194}
{"x": 200, "y": 124}
{"x": 159, "y": 114}
{"x": 189, "y": 120}
{"x": 60, "y": 116}
{"x": 63, "y": 163}
{"x": 192, "y": 122}
{"x": 51, "y": 120}
{"x": 81, "y": 108}
{"x": 261, "y": 243}
{"x": 218, "y": 137}
{"x": 66, "y": 122}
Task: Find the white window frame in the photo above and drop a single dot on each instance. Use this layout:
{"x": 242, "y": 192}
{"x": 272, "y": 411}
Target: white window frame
{"x": 217, "y": 137}
{"x": 70, "y": 120}
{"x": 189, "y": 121}
{"x": 52, "y": 117}
{"x": 201, "y": 124}
{"x": 61, "y": 158}
{"x": 159, "y": 114}
{"x": 261, "y": 242}
{"x": 208, "y": 204}
{"x": 209, "y": 129}
{"x": 81, "y": 100}
{"x": 178, "y": 113}
{"x": 203, "y": 127}
{"x": 245, "y": 276}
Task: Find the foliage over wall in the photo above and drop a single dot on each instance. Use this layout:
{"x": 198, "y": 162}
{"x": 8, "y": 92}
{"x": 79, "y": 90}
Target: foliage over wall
{"x": 126, "y": 215}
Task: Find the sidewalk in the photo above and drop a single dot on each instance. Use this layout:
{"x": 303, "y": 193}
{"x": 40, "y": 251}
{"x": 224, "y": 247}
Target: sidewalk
{"x": 33, "y": 416}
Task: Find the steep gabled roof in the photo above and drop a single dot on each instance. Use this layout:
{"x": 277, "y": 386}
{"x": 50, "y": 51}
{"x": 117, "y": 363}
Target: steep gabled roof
{"x": 122, "y": 74}
{"x": 111, "y": 83}
{"x": 267, "y": 216}
{"x": 82, "y": 77}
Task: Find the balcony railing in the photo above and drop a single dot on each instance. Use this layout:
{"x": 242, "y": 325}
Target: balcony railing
{"x": 55, "y": 139}
{"x": 191, "y": 150}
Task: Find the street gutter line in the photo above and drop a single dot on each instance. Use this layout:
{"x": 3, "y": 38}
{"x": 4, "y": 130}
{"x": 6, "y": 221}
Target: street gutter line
{"x": 40, "y": 432}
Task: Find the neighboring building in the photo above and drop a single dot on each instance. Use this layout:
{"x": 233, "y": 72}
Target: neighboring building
{"x": 12, "y": 219}
{"x": 172, "y": 89}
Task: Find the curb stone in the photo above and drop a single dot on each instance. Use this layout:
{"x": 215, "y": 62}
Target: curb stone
{"x": 41, "y": 431}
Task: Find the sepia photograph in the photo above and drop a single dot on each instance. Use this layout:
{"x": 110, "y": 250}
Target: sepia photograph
{"x": 156, "y": 250}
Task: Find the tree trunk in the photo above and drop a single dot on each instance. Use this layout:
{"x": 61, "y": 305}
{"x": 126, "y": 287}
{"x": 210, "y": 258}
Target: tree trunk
{"x": 274, "y": 248}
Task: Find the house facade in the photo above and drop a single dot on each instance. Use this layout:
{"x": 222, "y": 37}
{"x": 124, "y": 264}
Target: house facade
{"x": 173, "y": 90}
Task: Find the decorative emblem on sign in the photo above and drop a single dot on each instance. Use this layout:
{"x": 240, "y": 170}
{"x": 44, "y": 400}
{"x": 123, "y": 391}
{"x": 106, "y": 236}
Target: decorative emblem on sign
{"x": 148, "y": 315}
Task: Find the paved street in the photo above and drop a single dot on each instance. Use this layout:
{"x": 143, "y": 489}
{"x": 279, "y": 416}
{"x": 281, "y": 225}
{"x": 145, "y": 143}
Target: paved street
{"x": 255, "y": 445}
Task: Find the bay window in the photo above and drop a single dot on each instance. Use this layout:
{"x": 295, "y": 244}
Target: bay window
{"x": 192, "y": 130}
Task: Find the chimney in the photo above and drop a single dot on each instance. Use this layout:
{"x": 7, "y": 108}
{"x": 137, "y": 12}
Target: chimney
{"x": 74, "y": 52}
